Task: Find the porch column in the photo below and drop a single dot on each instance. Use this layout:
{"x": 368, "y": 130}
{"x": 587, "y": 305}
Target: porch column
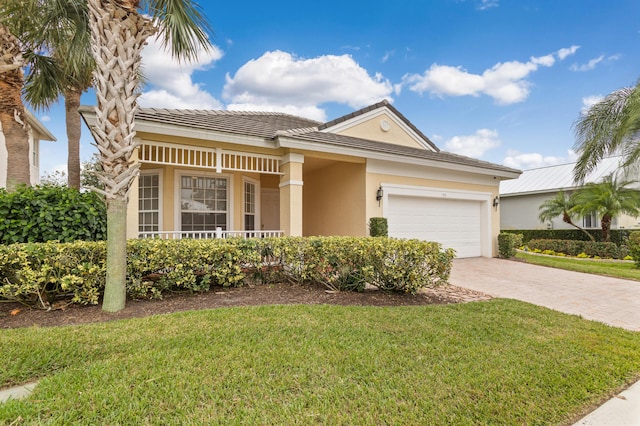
{"x": 291, "y": 194}
{"x": 132, "y": 205}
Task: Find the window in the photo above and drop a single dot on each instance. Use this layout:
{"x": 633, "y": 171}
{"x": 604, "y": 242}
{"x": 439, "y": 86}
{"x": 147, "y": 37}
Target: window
{"x": 149, "y": 202}
{"x": 590, "y": 221}
{"x": 249, "y": 206}
{"x": 203, "y": 203}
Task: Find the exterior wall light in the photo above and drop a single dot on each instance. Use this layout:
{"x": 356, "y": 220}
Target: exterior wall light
{"x": 379, "y": 195}
{"x": 496, "y": 201}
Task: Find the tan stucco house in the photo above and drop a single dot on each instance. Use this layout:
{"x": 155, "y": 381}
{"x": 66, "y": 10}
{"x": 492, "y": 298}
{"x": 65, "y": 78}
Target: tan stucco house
{"x": 37, "y": 132}
{"x": 265, "y": 173}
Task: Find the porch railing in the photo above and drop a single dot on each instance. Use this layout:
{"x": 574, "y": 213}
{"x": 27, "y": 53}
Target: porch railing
{"x": 218, "y": 233}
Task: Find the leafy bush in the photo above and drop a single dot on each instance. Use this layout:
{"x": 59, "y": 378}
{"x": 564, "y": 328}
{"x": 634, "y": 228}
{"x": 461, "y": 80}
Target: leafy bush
{"x": 46, "y": 213}
{"x": 378, "y": 227}
{"x": 633, "y": 243}
{"x": 508, "y": 243}
{"x": 618, "y": 236}
{"x": 40, "y": 273}
{"x": 579, "y": 248}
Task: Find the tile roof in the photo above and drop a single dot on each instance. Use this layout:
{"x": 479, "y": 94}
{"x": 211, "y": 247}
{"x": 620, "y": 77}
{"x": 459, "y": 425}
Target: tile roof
{"x": 381, "y": 104}
{"x": 271, "y": 125}
{"x": 392, "y": 149}
{"x": 554, "y": 178}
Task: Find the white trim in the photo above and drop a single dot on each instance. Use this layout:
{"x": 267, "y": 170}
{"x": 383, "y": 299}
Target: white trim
{"x": 355, "y": 121}
{"x": 291, "y": 182}
{"x": 415, "y": 171}
{"x": 179, "y": 173}
{"x": 285, "y": 142}
{"x": 257, "y": 218}
{"x": 292, "y": 157}
{"x": 484, "y": 198}
{"x": 160, "y": 174}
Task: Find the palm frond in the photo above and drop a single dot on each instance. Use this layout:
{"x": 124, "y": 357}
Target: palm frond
{"x": 183, "y": 28}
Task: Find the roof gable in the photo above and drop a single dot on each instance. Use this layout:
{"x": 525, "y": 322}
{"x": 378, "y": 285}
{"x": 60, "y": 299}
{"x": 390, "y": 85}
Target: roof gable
{"x": 380, "y": 122}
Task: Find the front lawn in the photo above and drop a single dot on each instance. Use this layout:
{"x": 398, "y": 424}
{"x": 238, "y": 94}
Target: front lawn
{"x": 496, "y": 362}
{"x": 626, "y": 270}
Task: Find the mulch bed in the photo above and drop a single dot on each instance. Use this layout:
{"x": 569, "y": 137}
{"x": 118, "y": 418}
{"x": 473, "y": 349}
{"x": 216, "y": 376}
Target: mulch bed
{"x": 14, "y": 315}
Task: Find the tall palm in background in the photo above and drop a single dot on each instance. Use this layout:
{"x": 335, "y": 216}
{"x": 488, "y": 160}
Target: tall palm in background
{"x": 561, "y": 205}
{"x": 53, "y": 38}
{"x": 119, "y": 30}
{"x": 611, "y": 126}
{"x": 608, "y": 199}
{"x": 12, "y": 114}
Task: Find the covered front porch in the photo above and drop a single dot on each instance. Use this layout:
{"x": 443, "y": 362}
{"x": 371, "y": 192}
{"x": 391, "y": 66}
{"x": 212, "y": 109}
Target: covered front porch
{"x": 186, "y": 191}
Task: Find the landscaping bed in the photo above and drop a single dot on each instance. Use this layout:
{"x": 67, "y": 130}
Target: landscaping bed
{"x": 267, "y": 294}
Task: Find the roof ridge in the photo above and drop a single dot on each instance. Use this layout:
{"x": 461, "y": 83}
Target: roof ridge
{"x": 195, "y": 111}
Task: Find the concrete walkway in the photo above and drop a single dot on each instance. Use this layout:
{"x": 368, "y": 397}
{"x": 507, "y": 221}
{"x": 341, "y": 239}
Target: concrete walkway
{"x": 612, "y": 301}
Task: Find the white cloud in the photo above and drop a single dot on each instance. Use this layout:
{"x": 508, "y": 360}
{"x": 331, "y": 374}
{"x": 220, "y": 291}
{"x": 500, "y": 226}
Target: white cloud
{"x": 308, "y": 111}
{"x": 45, "y": 118}
{"x": 474, "y": 145}
{"x": 506, "y": 82}
{"x": 388, "y": 54}
{"x": 589, "y": 101}
{"x": 567, "y": 51}
{"x": 593, "y": 63}
{"x": 588, "y": 66}
{"x": 525, "y": 161}
{"x": 170, "y": 82}
{"x": 281, "y": 81}
{"x": 488, "y": 4}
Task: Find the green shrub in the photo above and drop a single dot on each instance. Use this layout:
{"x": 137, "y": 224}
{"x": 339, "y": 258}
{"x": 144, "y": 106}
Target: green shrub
{"x": 39, "y": 273}
{"x": 618, "y": 236}
{"x": 577, "y": 248}
{"x": 378, "y": 227}
{"x": 633, "y": 244}
{"x": 508, "y": 243}
{"x": 46, "y": 213}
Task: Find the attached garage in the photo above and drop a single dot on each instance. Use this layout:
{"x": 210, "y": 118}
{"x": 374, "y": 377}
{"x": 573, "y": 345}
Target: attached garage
{"x": 457, "y": 220}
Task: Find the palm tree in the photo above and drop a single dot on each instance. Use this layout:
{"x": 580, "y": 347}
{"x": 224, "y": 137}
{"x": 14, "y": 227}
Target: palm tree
{"x": 119, "y": 30}
{"x": 561, "y": 205}
{"x": 12, "y": 115}
{"x": 611, "y": 126}
{"x": 53, "y": 40}
{"x": 608, "y": 199}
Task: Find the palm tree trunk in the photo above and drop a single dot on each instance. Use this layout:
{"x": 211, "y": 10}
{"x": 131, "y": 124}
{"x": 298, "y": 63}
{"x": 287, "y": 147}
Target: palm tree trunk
{"x": 72, "y": 117}
{"x": 12, "y": 115}
{"x": 567, "y": 219}
{"x": 605, "y": 223}
{"x": 118, "y": 34}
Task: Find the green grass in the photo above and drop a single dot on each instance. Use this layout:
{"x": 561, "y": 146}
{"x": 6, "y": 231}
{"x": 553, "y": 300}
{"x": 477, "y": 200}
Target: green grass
{"x": 627, "y": 270}
{"x": 496, "y": 362}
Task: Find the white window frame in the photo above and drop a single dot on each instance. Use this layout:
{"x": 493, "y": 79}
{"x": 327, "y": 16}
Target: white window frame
{"x": 180, "y": 173}
{"x": 256, "y": 214}
{"x": 160, "y": 191}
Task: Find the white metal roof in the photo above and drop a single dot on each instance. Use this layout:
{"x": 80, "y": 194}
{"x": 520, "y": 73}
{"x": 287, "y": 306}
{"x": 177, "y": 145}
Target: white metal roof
{"x": 555, "y": 178}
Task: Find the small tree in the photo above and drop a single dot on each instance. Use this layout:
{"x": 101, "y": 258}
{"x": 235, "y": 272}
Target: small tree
{"x": 608, "y": 199}
{"x": 561, "y": 205}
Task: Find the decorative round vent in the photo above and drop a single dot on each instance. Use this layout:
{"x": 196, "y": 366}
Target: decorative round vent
{"x": 384, "y": 125}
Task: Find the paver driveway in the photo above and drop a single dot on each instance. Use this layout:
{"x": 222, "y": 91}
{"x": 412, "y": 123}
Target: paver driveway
{"x": 610, "y": 300}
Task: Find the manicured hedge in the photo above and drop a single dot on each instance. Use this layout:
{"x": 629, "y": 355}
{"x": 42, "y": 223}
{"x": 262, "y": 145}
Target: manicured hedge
{"x": 45, "y": 213}
{"x": 40, "y": 273}
{"x": 508, "y": 244}
{"x": 574, "y": 248}
{"x": 618, "y": 236}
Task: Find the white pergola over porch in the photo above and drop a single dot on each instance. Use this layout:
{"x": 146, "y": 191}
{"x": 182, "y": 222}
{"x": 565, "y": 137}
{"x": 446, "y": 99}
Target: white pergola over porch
{"x": 217, "y": 159}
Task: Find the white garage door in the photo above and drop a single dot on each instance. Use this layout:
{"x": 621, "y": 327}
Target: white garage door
{"x": 453, "y": 223}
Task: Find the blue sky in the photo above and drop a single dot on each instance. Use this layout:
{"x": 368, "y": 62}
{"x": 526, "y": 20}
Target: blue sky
{"x": 498, "y": 80}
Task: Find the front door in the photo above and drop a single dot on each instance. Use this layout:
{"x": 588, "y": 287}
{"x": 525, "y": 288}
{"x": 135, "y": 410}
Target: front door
{"x": 270, "y": 209}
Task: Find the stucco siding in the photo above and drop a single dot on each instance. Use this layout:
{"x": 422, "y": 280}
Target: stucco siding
{"x": 372, "y": 129}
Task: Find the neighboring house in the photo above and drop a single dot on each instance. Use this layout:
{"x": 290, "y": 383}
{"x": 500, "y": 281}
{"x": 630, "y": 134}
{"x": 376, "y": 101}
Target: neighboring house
{"x": 37, "y": 133}
{"x": 520, "y": 199}
{"x": 265, "y": 173}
